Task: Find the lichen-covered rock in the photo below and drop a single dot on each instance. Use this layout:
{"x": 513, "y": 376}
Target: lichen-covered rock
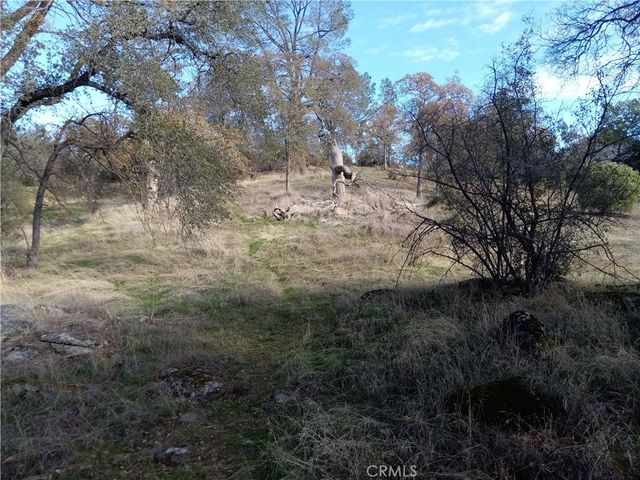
{"x": 528, "y": 332}
{"x": 70, "y": 345}
{"x": 70, "y": 350}
{"x": 192, "y": 382}
{"x": 13, "y": 324}
{"x": 507, "y": 403}
{"x": 23, "y": 389}
{"x": 171, "y": 456}
{"x": 21, "y": 354}
{"x": 282, "y": 396}
{"x": 64, "y": 338}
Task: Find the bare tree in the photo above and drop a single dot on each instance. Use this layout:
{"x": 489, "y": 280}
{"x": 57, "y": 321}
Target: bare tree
{"x": 597, "y": 37}
{"x": 508, "y": 189}
{"x": 383, "y": 131}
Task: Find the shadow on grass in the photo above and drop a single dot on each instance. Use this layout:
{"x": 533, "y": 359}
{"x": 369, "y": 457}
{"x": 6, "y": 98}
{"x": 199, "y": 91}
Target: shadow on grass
{"x": 369, "y": 372}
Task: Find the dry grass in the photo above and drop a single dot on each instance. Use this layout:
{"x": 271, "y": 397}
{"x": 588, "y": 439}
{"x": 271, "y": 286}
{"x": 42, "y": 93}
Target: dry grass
{"x": 262, "y": 302}
{"x": 390, "y": 366}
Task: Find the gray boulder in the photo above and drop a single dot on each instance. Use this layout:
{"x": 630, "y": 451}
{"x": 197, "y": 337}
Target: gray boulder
{"x": 70, "y": 345}
{"x": 13, "y": 323}
{"x": 171, "y": 456}
{"x": 21, "y": 354}
{"x": 282, "y": 396}
{"x": 197, "y": 383}
{"x": 528, "y": 332}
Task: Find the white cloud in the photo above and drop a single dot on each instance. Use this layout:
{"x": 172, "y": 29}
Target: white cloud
{"x": 497, "y": 24}
{"x": 394, "y": 21}
{"x": 425, "y": 54}
{"x": 487, "y": 17}
{"x": 431, "y": 24}
{"x": 554, "y": 88}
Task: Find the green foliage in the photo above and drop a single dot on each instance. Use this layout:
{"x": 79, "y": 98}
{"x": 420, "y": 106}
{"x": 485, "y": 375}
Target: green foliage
{"x": 196, "y": 166}
{"x": 610, "y": 186}
{"x": 622, "y": 131}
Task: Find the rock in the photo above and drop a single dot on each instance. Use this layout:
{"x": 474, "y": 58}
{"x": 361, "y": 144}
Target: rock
{"x": 21, "y": 354}
{"x": 507, "y": 403}
{"x": 65, "y": 338}
{"x": 171, "y": 456}
{"x": 70, "y": 345}
{"x": 282, "y": 396}
{"x": 12, "y": 323}
{"x": 192, "y": 382}
{"x": 70, "y": 350}
{"x": 23, "y": 389}
{"x": 54, "y": 310}
{"x": 192, "y": 417}
{"x": 528, "y": 331}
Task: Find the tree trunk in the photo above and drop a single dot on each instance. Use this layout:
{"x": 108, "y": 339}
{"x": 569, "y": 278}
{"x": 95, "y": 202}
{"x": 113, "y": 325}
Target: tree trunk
{"x": 152, "y": 185}
{"x": 384, "y": 156}
{"x": 287, "y": 177}
{"x": 335, "y": 153}
{"x": 420, "y": 185}
{"x": 34, "y": 250}
{"x": 287, "y": 166}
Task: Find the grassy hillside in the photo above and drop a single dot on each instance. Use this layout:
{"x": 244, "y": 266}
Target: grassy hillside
{"x": 317, "y": 382}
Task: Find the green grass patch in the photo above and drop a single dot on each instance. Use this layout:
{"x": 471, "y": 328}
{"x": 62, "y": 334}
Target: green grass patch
{"x": 255, "y": 244}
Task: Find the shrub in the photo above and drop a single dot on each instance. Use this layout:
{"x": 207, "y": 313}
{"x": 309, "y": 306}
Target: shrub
{"x": 196, "y": 166}
{"x": 610, "y": 186}
{"x": 509, "y": 202}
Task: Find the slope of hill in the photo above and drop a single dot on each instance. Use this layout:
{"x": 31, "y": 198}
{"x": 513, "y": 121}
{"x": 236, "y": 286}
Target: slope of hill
{"x": 251, "y": 351}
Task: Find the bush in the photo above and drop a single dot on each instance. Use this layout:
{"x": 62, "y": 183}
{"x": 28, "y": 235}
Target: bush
{"x": 507, "y": 185}
{"x": 196, "y": 166}
{"x": 610, "y": 186}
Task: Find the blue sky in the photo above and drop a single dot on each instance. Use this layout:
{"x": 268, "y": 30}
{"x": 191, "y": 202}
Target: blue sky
{"x": 443, "y": 38}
